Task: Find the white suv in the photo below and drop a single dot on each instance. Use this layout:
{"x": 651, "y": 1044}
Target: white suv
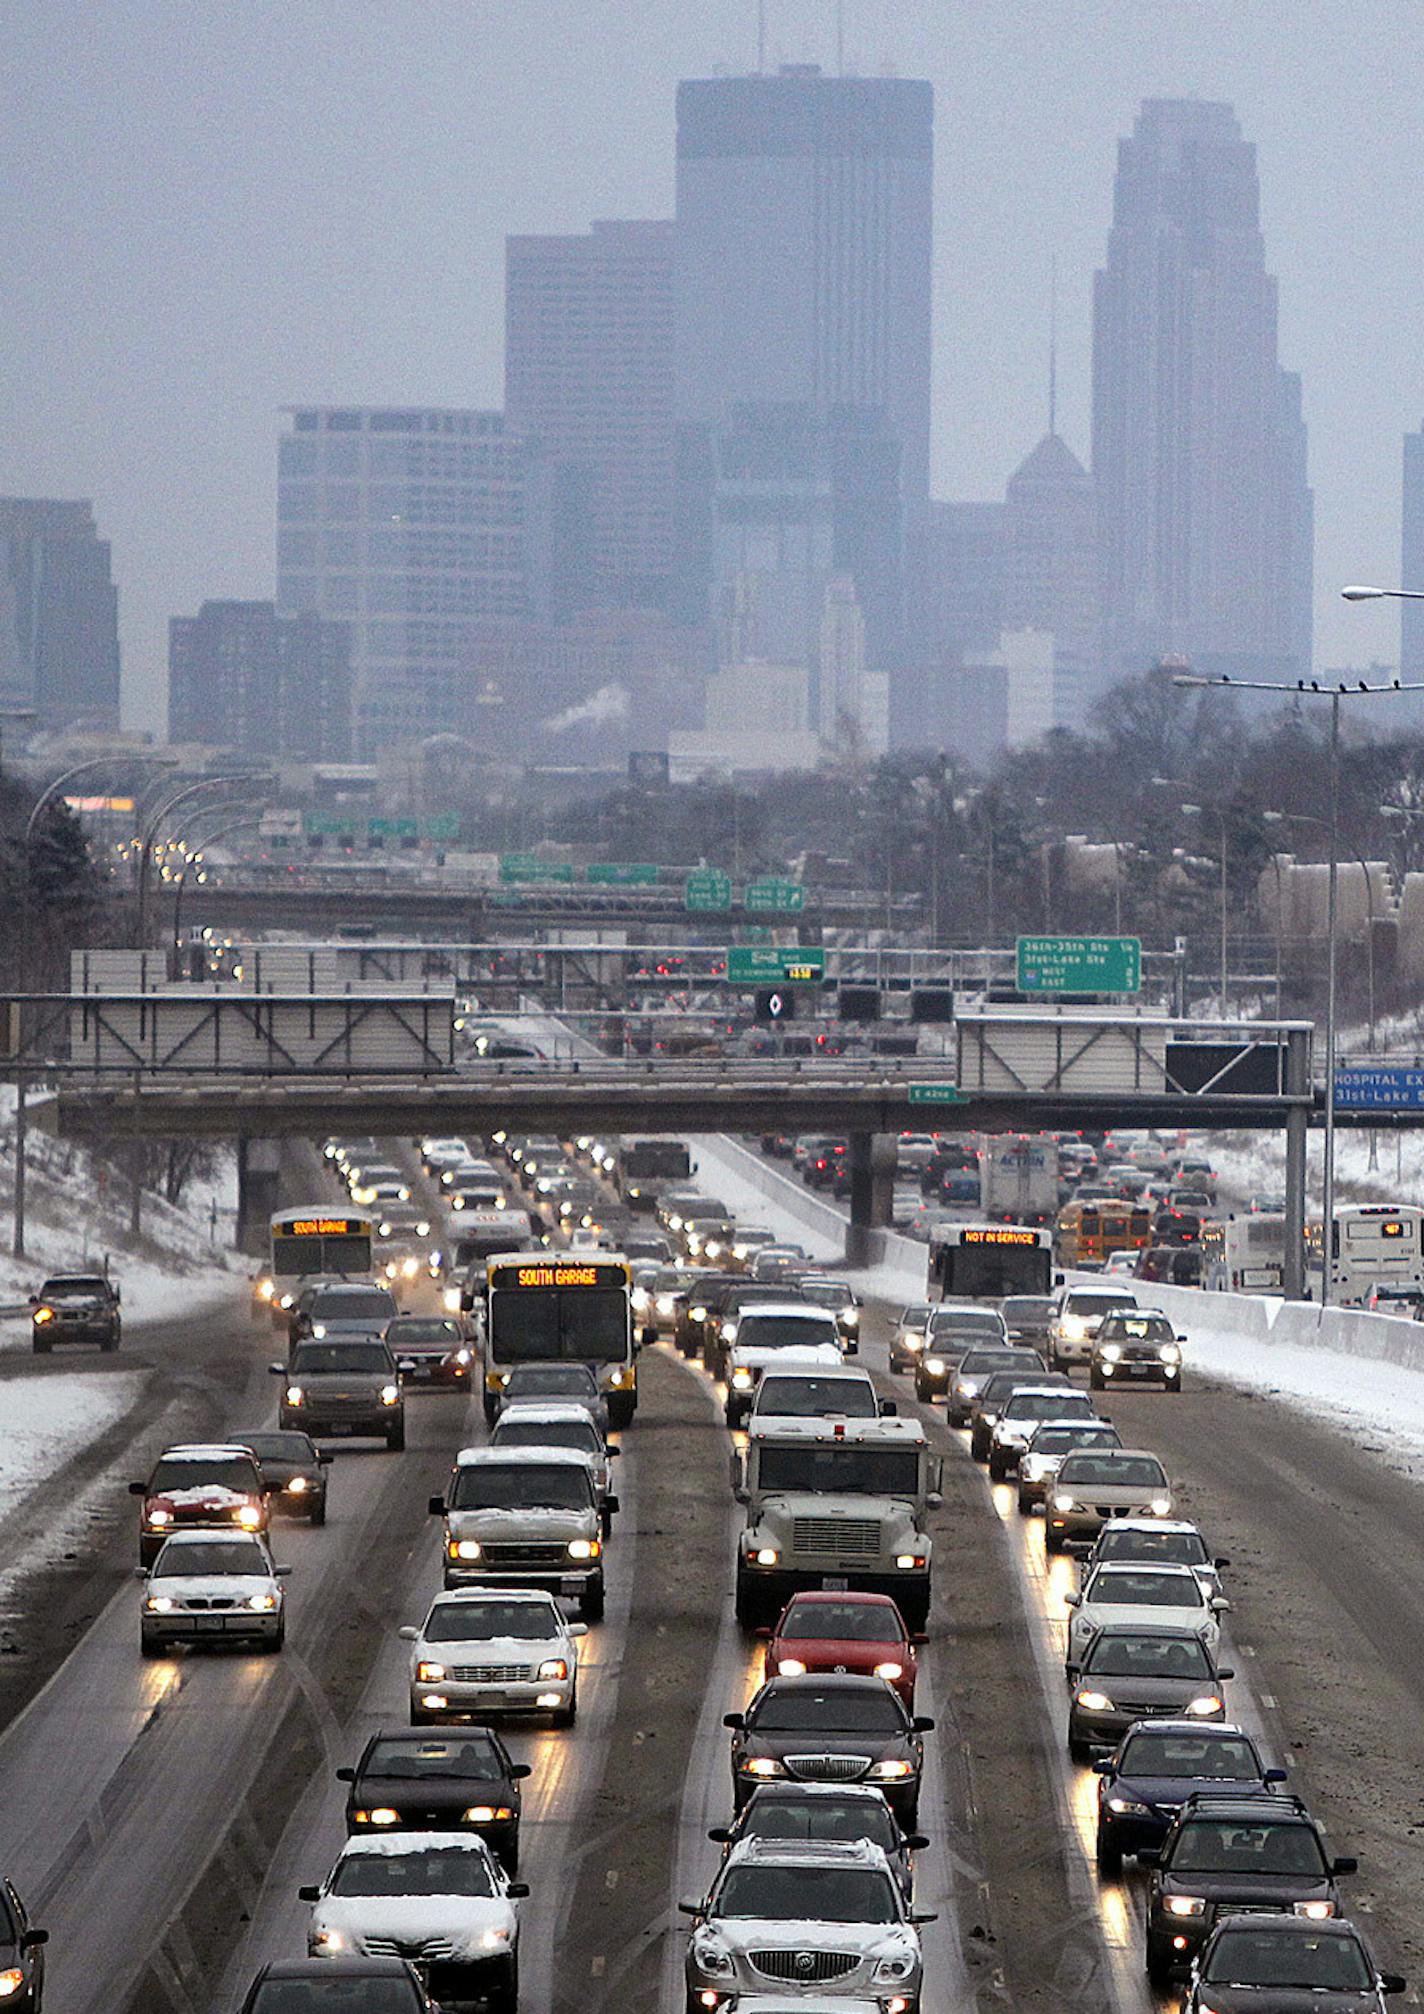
{"x": 1076, "y": 1319}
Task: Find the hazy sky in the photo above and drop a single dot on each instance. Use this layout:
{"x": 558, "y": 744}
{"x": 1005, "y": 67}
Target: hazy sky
{"x": 217, "y": 207}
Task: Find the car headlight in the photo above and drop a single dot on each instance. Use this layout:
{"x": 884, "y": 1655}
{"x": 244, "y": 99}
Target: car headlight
{"x": 319, "y": 1330}
{"x": 969, "y": 1387}
{"x": 386, "y": 1230}
{"x": 159, "y": 1604}
{"x": 762, "y": 1765}
{"x": 249, "y": 1516}
{"x": 554, "y": 1667}
{"x": 1206, "y": 1705}
{"x": 1170, "y": 1353}
{"x": 740, "y": 1251}
{"x": 914, "y": 1342}
{"x": 1161, "y": 1506}
{"x": 1073, "y": 1328}
{"x": 891, "y": 1971}
{"x": 665, "y": 1304}
{"x": 790, "y": 1667}
{"x": 1128, "y": 1807}
{"x": 462, "y": 1356}
{"x": 891, "y": 1772}
{"x": 741, "y": 1380}
{"x": 584, "y": 1548}
{"x": 428, "y": 1673}
{"x": 1063, "y": 1501}
{"x": 464, "y": 1548}
{"x": 158, "y": 1519}
{"x": 1316, "y": 1911}
{"x": 619, "y": 1378}
{"x": 713, "y": 1249}
{"x": 710, "y": 1957}
{"x": 639, "y": 1299}
{"x": 298, "y": 1486}
{"x": 452, "y": 1300}
{"x": 698, "y": 1314}
{"x": 765, "y": 1555}
{"x": 1111, "y": 1353}
{"x": 890, "y": 1671}
{"x": 728, "y": 1332}
{"x": 935, "y": 1366}
{"x": 906, "y": 1561}
{"x": 851, "y": 1317}
{"x": 327, "y": 1940}
{"x": 1185, "y": 1905}
{"x": 285, "y": 1300}
{"x": 487, "y": 1814}
{"x": 390, "y": 1395}
{"x": 1093, "y": 1702}
{"x": 262, "y": 1603}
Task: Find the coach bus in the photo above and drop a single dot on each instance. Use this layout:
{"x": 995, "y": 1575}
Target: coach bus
{"x": 562, "y": 1307}
{"x": 984, "y": 1262}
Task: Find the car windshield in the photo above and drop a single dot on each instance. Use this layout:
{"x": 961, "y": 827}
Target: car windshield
{"x": 1125, "y": 1656}
{"x": 219, "y": 1555}
{"x": 827, "y": 1294}
{"x": 428, "y": 1870}
{"x": 852, "y": 1709}
{"x": 279, "y": 1447}
{"x": 966, "y": 1322}
{"x": 1136, "y": 1329}
{"x": 782, "y": 1332}
{"x": 1235, "y": 1846}
{"x": 418, "y": 1329}
{"x": 916, "y": 1316}
{"x": 469, "y": 1757}
{"x": 580, "y": 1435}
{"x": 809, "y": 1894}
{"x": 311, "y": 1360}
{"x": 1307, "y": 1960}
{"x": 1027, "y": 1311}
{"x": 822, "y": 1818}
{"x": 1059, "y": 1440}
{"x": 336, "y": 1996}
{"x": 841, "y": 1468}
{"x": 570, "y": 1381}
{"x": 234, "y": 1474}
{"x": 843, "y": 1621}
{"x": 353, "y": 1304}
{"x": 1048, "y": 1406}
{"x": 1113, "y": 1471}
{"x": 1171, "y": 1548}
{"x": 976, "y": 1362}
{"x": 1229, "y": 1757}
{"x": 1096, "y": 1304}
{"x": 73, "y": 1284}
{"x": 1119, "y": 1587}
{"x": 488, "y": 1621}
{"x": 521, "y": 1486}
{"x": 816, "y": 1398}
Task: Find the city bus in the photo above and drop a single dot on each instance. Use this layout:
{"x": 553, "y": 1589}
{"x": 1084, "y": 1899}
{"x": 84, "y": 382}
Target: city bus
{"x": 984, "y": 1262}
{"x": 1245, "y": 1255}
{"x": 1086, "y": 1234}
{"x": 313, "y": 1238}
{"x": 546, "y": 1307}
{"x": 1374, "y": 1245}
{"x": 645, "y": 1166}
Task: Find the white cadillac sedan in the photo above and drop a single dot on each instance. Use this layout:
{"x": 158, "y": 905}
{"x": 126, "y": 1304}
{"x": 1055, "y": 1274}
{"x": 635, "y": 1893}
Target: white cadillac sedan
{"x": 505, "y": 1650}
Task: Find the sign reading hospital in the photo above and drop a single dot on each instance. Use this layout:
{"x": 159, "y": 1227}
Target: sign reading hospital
{"x": 1380, "y": 1087}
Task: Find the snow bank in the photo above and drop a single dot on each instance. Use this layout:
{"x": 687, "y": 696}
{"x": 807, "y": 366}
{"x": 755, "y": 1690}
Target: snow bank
{"x": 49, "y": 1418}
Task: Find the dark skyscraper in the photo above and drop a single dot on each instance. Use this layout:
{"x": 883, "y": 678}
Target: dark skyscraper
{"x": 588, "y": 370}
{"x": 804, "y": 212}
{"x": 244, "y": 677}
{"x": 1198, "y": 440}
{"x": 59, "y": 614}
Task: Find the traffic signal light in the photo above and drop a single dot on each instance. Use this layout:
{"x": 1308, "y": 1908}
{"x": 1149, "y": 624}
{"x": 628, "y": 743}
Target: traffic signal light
{"x": 860, "y": 1003}
{"x": 775, "y": 1003}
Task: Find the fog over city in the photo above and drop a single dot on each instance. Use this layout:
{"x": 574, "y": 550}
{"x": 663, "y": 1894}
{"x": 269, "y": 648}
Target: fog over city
{"x": 223, "y": 208}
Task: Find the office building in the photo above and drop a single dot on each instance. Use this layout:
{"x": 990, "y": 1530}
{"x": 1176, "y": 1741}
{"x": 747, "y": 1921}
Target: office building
{"x": 244, "y": 677}
{"x": 803, "y": 265}
{"x": 588, "y": 370}
{"x": 966, "y": 581}
{"x": 1051, "y": 574}
{"x": 418, "y": 527}
{"x": 59, "y": 614}
{"x": 1198, "y": 442}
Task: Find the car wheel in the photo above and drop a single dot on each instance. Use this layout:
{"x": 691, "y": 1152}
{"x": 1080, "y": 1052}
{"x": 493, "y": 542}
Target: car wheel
{"x": 749, "y": 1603}
{"x": 565, "y": 1718}
{"x": 43, "y": 1348}
{"x": 274, "y": 1643}
{"x": 997, "y": 1471}
{"x": 979, "y": 1446}
{"x": 109, "y": 1343}
{"x": 491, "y": 1412}
{"x": 1109, "y": 1853}
{"x": 1159, "y": 1962}
{"x": 395, "y": 1438}
{"x": 1078, "y": 1751}
{"x": 1052, "y": 1541}
{"x": 1096, "y": 1381}
{"x": 505, "y": 1997}
{"x": 591, "y": 1601}
{"x": 318, "y": 1509}
{"x": 149, "y": 1646}
{"x": 1025, "y": 1504}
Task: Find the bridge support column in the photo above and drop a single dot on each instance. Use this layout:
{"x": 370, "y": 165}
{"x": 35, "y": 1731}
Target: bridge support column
{"x": 1298, "y": 1084}
{"x": 259, "y": 1170}
{"x": 872, "y": 1184}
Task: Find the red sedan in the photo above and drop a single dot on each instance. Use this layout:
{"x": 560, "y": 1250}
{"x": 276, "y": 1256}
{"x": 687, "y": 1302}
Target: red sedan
{"x": 843, "y": 1632}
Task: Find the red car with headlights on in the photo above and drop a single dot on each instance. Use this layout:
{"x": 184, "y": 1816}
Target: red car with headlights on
{"x": 859, "y": 1633}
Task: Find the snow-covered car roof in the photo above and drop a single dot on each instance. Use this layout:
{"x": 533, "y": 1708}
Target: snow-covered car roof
{"x": 546, "y": 1413}
{"x": 471, "y": 1458}
{"x": 480, "y": 1597}
{"x": 1167, "y": 1569}
{"x": 370, "y": 1845}
{"x": 1177, "y": 1526}
{"x": 808, "y": 1853}
{"x": 215, "y": 1451}
{"x": 208, "y": 1537}
{"x": 806, "y": 1310}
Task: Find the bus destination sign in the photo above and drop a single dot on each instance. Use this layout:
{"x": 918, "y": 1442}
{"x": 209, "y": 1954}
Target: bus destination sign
{"x": 323, "y": 1227}
{"x": 548, "y": 1274}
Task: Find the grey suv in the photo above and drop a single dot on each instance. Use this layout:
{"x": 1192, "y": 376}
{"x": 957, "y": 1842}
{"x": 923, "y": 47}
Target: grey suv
{"x": 343, "y": 1387}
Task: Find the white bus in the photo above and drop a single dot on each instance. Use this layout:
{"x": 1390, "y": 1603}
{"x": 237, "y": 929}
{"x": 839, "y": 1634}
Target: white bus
{"x": 1374, "y": 1245}
{"x": 984, "y": 1262}
{"x": 1244, "y": 1255}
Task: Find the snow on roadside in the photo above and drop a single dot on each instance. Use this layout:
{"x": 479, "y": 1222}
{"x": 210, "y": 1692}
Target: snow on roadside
{"x": 49, "y": 1418}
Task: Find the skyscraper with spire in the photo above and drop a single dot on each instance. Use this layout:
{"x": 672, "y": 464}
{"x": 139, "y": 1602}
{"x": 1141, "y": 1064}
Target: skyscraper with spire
{"x": 1205, "y": 510}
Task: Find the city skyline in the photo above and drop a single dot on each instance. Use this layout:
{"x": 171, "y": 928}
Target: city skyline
{"x": 339, "y": 321}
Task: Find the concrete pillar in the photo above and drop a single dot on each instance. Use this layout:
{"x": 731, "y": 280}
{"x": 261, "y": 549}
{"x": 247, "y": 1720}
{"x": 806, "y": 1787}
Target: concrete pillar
{"x": 259, "y": 1180}
{"x": 1298, "y": 1082}
{"x": 872, "y": 1184}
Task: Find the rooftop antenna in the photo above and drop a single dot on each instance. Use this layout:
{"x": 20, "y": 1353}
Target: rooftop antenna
{"x": 1053, "y": 348}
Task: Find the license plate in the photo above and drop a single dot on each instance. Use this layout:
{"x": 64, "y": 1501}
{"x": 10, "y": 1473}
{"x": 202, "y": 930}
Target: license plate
{"x": 834, "y": 1583}
{"x": 1142, "y": 1370}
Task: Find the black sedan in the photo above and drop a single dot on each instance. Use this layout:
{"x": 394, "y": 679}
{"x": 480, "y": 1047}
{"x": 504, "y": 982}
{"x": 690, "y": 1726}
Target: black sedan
{"x": 1279, "y": 1964}
{"x": 416, "y": 1781}
{"x": 293, "y": 1471}
{"x": 21, "y": 1954}
{"x": 1140, "y": 1671}
{"x": 813, "y": 1811}
{"x": 431, "y": 1350}
{"x": 312, "y": 1986}
{"x": 832, "y": 1728}
{"x": 1157, "y": 1767}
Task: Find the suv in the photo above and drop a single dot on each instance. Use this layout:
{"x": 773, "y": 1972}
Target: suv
{"x": 350, "y": 1386}
{"x": 992, "y": 1396}
{"x": 1076, "y": 1318}
{"x": 75, "y": 1308}
{"x": 1133, "y": 1348}
{"x": 199, "y": 1488}
{"x": 1156, "y": 1767}
{"x": 350, "y": 1308}
{"x": 1224, "y": 1854}
{"x": 780, "y": 1332}
{"x": 977, "y": 1365}
{"x": 953, "y": 1330}
{"x": 804, "y": 1392}
{"x": 1023, "y": 1410}
{"x": 525, "y": 1517}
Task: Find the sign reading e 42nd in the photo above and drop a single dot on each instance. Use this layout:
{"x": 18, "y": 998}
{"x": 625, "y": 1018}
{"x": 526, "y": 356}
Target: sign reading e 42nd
{"x": 1079, "y": 964}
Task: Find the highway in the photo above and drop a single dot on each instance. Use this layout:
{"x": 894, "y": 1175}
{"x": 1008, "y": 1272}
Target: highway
{"x": 159, "y": 1817}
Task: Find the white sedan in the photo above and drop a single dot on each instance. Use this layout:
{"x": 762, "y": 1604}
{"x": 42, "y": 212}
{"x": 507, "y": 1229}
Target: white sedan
{"x": 1132, "y": 1593}
{"x": 440, "y": 1898}
{"x": 505, "y": 1650}
{"x": 212, "y": 1587}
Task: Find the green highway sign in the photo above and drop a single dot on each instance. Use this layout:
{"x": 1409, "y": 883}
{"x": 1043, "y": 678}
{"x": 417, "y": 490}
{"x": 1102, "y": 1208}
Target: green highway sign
{"x": 776, "y": 964}
{"x": 937, "y": 1094}
{"x": 1079, "y": 964}
{"x": 706, "y": 888}
{"x": 529, "y": 867}
{"x": 622, "y": 873}
{"x": 784, "y": 897}
{"x": 444, "y": 826}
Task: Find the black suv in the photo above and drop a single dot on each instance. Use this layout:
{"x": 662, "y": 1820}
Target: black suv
{"x": 417, "y": 1781}
{"x": 76, "y": 1308}
{"x": 1224, "y": 1854}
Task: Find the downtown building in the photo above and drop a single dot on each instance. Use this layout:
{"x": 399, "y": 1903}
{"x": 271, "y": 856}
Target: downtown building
{"x": 1199, "y": 446}
{"x": 59, "y": 618}
{"x": 246, "y": 678}
{"x": 802, "y": 382}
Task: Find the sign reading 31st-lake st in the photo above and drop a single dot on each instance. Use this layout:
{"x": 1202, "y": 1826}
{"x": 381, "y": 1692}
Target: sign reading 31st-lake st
{"x": 1079, "y": 964}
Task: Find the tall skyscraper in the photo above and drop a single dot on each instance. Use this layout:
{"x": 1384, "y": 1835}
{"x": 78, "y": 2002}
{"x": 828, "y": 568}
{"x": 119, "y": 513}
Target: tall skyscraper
{"x": 1411, "y": 567}
{"x": 246, "y": 678}
{"x": 59, "y": 614}
{"x": 804, "y": 214}
{"x": 588, "y": 369}
{"x": 1052, "y": 571}
{"x": 417, "y": 527}
{"x": 1198, "y": 440}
